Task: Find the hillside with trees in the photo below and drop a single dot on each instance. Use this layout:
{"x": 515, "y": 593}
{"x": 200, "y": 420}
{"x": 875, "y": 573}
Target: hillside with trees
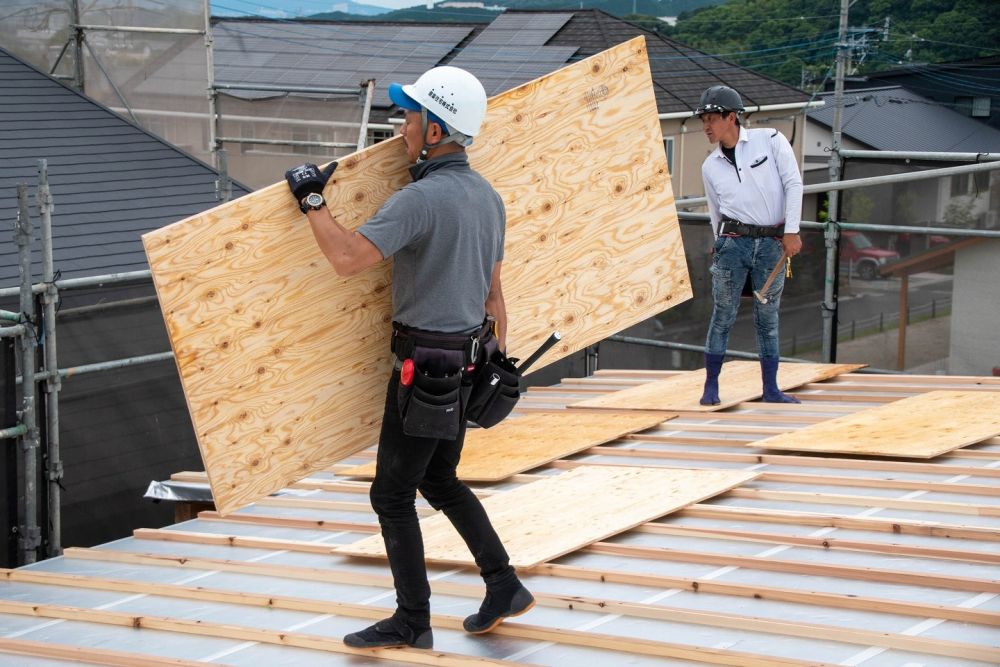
{"x": 795, "y": 40}
{"x": 648, "y": 9}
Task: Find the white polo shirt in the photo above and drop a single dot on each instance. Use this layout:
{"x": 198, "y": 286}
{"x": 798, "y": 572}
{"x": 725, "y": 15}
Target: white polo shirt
{"x": 763, "y": 188}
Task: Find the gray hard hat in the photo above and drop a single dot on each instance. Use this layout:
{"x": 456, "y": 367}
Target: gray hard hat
{"x": 719, "y": 99}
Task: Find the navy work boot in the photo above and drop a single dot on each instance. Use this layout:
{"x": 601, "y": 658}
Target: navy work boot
{"x": 713, "y": 366}
{"x": 391, "y": 632}
{"x": 500, "y": 603}
{"x": 769, "y": 375}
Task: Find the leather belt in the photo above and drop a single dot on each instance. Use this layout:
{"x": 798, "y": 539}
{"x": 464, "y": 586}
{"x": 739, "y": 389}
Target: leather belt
{"x": 737, "y": 228}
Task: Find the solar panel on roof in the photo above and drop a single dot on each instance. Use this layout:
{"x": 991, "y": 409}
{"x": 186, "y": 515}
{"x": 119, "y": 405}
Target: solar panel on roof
{"x": 349, "y": 53}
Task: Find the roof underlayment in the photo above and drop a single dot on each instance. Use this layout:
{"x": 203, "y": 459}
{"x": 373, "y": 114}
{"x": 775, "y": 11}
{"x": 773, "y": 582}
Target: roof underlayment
{"x": 820, "y": 560}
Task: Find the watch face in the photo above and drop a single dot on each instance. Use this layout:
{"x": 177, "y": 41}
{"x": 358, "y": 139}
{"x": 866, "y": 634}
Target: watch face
{"x": 315, "y": 200}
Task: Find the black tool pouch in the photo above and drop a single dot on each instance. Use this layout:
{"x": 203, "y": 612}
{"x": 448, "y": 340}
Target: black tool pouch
{"x": 495, "y": 390}
{"x": 431, "y": 407}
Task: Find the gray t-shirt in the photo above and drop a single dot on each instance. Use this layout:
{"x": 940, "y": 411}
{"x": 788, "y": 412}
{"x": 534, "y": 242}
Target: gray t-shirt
{"x": 444, "y": 231}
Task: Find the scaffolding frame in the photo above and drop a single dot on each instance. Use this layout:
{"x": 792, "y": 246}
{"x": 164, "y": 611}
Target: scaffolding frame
{"x": 78, "y": 40}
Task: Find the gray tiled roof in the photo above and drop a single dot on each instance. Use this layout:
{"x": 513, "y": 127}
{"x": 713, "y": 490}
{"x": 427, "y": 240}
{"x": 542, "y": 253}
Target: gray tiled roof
{"x": 110, "y": 180}
{"x": 512, "y": 50}
{"x": 519, "y": 45}
{"x": 897, "y": 119}
{"x": 329, "y": 54}
{"x": 680, "y": 73}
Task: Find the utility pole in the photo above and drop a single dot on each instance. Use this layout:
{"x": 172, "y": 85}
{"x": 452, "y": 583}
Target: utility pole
{"x": 832, "y": 233}
{"x": 77, "y": 37}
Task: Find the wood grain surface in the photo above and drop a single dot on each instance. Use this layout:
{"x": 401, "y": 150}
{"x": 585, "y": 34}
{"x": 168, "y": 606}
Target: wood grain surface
{"x": 532, "y": 440}
{"x": 541, "y": 521}
{"x": 921, "y": 426}
{"x": 284, "y": 364}
{"x": 739, "y": 381}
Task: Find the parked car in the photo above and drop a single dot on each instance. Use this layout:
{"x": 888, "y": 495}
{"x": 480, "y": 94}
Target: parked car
{"x": 858, "y": 253}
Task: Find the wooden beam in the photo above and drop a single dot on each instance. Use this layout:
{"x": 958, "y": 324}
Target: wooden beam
{"x": 904, "y": 307}
{"x": 885, "y": 525}
{"x": 238, "y": 632}
{"x": 444, "y": 587}
{"x": 812, "y": 479}
{"x": 794, "y": 567}
{"x": 826, "y": 543}
{"x": 509, "y": 629}
{"x": 868, "y": 501}
{"x": 800, "y": 567}
{"x": 777, "y": 594}
{"x": 90, "y": 656}
{"x": 516, "y": 629}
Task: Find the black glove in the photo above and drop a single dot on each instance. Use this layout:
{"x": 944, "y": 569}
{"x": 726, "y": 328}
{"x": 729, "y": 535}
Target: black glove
{"x": 308, "y": 178}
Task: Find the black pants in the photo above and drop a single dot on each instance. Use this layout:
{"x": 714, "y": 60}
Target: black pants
{"x": 406, "y": 464}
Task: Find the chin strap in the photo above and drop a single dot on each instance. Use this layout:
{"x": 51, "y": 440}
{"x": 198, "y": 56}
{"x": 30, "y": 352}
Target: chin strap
{"x": 452, "y": 138}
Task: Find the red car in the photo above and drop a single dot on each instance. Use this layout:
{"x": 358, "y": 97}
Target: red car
{"x": 859, "y": 254}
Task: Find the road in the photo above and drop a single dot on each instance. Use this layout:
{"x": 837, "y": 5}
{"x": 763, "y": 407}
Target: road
{"x": 861, "y": 301}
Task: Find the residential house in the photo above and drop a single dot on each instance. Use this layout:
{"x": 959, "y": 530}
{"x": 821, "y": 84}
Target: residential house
{"x": 969, "y": 87}
{"x": 897, "y": 119}
{"x": 111, "y": 181}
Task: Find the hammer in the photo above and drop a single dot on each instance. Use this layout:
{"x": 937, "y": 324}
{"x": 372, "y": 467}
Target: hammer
{"x": 770, "y": 279}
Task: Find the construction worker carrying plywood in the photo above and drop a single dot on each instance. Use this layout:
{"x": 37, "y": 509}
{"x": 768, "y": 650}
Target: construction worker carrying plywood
{"x": 445, "y": 233}
{"x": 754, "y": 194}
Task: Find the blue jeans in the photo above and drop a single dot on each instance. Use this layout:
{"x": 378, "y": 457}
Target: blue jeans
{"x": 733, "y": 258}
{"x": 405, "y": 464}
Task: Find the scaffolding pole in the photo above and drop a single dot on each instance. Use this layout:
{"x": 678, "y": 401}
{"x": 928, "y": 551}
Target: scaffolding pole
{"x": 213, "y": 104}
{"x": 831, "y": 235}
{"x": 50, "y": 298}
{"x": 363, "y": 131}
{"x": 29, "y": 535}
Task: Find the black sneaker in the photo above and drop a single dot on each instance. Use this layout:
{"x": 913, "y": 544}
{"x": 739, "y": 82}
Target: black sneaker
{"x": 498, "y": 606}
{"x": 390, "y": 632}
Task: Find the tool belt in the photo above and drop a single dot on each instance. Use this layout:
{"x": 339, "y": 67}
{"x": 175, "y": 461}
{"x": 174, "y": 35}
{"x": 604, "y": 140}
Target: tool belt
{"x": 445, "y": 378}
{"x": 736, "y": 228}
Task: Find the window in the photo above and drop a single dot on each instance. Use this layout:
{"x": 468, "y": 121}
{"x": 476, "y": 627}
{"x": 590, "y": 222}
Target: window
{"x": 668, "y": 147}
{"x": 980, "y": 107}
{"x": 960, "y": 184}
{"x": 376, "y": 136}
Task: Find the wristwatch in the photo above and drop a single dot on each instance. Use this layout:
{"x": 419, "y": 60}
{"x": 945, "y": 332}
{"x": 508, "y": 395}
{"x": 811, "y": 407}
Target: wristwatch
{"x": 312, "y": 202}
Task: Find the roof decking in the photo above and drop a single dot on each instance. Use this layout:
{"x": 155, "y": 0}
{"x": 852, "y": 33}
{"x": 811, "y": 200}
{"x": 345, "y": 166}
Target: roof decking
{"x": 820, "y": 560}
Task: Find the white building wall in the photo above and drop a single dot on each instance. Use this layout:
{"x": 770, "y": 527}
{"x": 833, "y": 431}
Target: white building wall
{"x": 975, "y": 311}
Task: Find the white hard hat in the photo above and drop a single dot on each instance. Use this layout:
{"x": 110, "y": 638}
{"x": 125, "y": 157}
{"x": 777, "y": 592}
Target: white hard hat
{"x": 449, "y": 93}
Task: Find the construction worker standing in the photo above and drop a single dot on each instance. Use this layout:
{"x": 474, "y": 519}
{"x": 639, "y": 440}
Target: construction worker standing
{"x": 445, "y": 233}
{"x": 754, "y": 193}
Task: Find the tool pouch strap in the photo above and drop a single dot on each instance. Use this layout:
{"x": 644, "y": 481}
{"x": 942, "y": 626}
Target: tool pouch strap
{"x": 405, "y": 339}
{"x": 495, "y": 389}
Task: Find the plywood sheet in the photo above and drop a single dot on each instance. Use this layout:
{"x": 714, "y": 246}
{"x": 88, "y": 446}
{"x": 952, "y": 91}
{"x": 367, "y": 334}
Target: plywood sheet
{"x": 739, "y": 381}
{"x": 283, "y": 364}
{"x": 921, "y": 426}
{"x": 546, "y": 519}
{"x": 532, "y": 440}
